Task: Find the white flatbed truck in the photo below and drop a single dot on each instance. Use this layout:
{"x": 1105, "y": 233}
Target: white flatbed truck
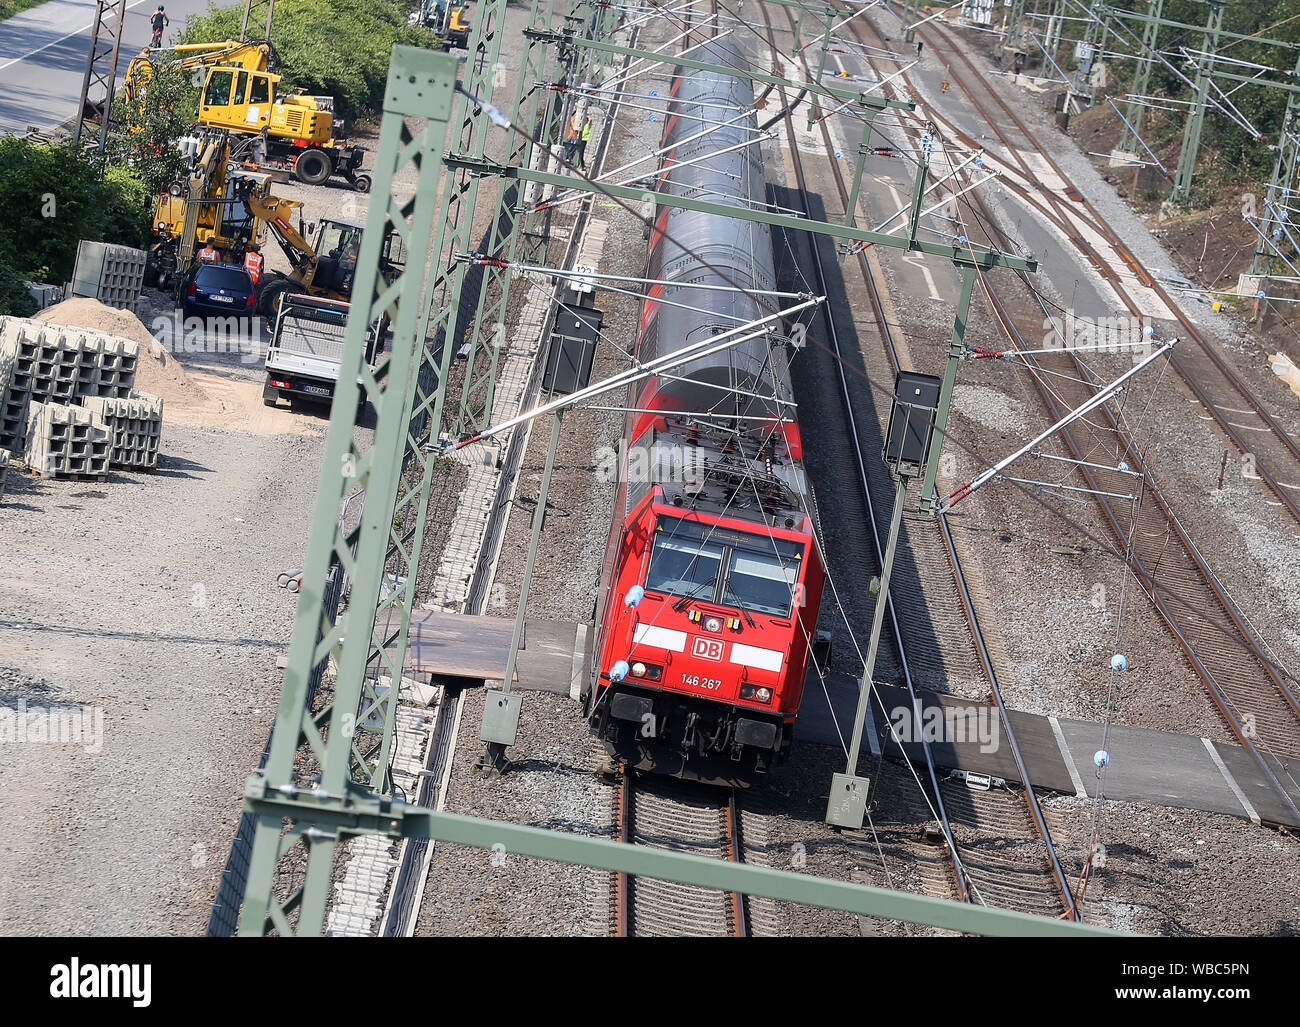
{"x": 306, "y": 350}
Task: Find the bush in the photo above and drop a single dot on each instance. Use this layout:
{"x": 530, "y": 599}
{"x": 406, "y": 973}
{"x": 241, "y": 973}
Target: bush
{"x": 14, "y": 297}
{"x": 53, "y": 197}
{"x": 127, "y": 208}
{"x": 338, "y": 48}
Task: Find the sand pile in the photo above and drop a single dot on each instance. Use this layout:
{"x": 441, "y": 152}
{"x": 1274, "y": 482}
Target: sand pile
{"x": 193, "y": 398}
{"x": 157, "y": 372}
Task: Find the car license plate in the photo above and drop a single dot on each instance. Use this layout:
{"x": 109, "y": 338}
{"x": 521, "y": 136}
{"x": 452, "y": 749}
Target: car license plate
{"x": 222, "y": 299}
{"x": 315, "y": 390}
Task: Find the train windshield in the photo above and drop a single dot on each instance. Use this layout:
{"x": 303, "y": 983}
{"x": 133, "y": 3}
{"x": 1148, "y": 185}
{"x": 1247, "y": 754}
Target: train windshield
{"x": 684, "y": 567}
{"x": 762, "y": 582}
{"x": 731, "y": 568}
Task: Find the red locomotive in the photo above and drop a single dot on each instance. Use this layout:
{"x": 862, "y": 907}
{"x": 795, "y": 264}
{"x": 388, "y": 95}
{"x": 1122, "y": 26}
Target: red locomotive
{"x": 713, "y": 577}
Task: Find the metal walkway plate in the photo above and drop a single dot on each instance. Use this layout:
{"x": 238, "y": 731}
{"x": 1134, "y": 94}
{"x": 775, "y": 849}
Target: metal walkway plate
{"x": 466, "y": 646}
{"x": 1157, "y": 767}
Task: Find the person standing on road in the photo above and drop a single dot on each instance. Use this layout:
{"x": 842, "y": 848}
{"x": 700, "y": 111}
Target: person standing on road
{"x": 210, "y": 254}
{"x": 583, "y": 140}
{"x": 253, "y": 261}
{"x": 159, "y": 21}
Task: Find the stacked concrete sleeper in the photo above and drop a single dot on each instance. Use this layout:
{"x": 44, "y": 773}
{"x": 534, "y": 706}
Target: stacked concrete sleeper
{"x": 67, "y": 406}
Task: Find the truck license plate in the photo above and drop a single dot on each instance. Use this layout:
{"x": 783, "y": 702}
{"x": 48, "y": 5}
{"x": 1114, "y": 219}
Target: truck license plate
{"x": 315, "y": 390}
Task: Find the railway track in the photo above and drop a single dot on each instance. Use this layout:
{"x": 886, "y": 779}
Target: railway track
{"x": 1259, "y": 706}
{"x": 663, "y": 813}
{"x": 678, "y": 816}
{"x": 1031, "y": 880}
{"x": 1233, "y": 406}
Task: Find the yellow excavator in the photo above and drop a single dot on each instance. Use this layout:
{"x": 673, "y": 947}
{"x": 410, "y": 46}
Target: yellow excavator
{"x": 207, "y": 205}
{"x": 449, "y": 21}
{"x": 455, "y": 31}
{"x": 233, "y": 206}
{"x": 293, "y": 133}
{"x": 322, "y": 255}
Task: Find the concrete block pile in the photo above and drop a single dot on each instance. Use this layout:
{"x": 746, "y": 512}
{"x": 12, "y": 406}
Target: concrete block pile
{"x": 66, "y": 394}
{"x": 64, "y": 441}
{"x": 114, "y": 275}
{"x": 135, "y": 425}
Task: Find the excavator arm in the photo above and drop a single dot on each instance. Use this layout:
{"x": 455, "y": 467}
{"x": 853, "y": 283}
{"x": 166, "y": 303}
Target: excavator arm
{"x": 277, "y": 214}
{"x": 233, "y": 53}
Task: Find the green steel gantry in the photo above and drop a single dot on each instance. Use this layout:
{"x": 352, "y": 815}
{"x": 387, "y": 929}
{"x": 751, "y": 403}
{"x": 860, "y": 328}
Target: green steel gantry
{"x": 259, "y": 14}
{"x": 1055, "y": 29}
{"x": 1282, "y": 184}
{"x": 323, "y": 739}
{"x": 1092, "y": 46}
{"x": 326, "y": 776}
{"x": 1212, "y": 34}
{"x": 1129, "y": 141}
{"x": 1196, "y": 120}
{"x": 1011, "y": 28}
{"x": 99, "y": 83}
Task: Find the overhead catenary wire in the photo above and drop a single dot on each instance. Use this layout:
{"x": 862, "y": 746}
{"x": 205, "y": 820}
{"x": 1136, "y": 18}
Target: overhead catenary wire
{"x": 1083, "y": 530}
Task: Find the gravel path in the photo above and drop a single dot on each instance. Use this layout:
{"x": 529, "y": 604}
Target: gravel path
{"x": 153, "y": 599}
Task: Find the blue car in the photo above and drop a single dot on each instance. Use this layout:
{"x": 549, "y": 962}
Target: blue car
{"x": 219, "y": 290}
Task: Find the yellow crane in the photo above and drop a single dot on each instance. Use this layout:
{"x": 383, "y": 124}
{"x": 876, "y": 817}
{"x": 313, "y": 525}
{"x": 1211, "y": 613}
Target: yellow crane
{"x": 241, "y": 95}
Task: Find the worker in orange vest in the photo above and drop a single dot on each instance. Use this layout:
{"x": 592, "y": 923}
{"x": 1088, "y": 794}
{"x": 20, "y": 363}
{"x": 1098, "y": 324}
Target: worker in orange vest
{"x": 253, "y": 261}
{"x": 570, "y": 139}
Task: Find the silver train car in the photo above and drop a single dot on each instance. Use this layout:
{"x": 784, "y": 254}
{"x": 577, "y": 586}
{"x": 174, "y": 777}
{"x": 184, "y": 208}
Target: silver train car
{"x": 702, "y": 121}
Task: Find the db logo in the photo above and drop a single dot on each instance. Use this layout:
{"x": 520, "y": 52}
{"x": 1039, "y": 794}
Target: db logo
{"x": 707, "y": 648}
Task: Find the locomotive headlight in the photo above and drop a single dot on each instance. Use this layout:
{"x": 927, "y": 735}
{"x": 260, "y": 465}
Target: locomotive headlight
{"x": 713, "y": 624}
{"x": 648, "y": 671}
{"x": 638, "y": 669}
{"x": 756, "y": 693}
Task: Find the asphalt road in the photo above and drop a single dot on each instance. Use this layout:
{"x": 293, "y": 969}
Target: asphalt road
{"x": 43, "y": 56}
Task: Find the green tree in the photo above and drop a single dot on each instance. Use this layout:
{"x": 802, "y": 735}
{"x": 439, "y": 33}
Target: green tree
{"x": 14, "y": 297}
{"x": 53, "y": 197}
{"x": 49, "y": 195}
{"x": 147, "y": 126}
{"x": 126, "y": 208}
